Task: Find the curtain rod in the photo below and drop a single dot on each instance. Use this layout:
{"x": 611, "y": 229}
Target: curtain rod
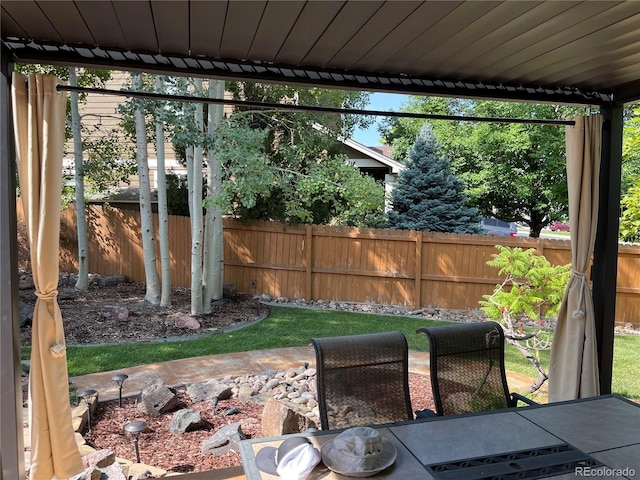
{"x": 308, "y": 108}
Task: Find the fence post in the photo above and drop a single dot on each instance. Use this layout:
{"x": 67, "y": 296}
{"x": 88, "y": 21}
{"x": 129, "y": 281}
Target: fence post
{"x": 308, "y": 247}
{"x": 417, "y": 297}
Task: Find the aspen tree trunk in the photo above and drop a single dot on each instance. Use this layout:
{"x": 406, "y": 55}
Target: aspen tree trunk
{"x": 195, "y": 210}
{"x": 82, "y": 282}
{"x": 197, "y": 230}
{"x": 163, "y": 215}
{"x": 214, "y": 247}
{"x": 151, "y": 272}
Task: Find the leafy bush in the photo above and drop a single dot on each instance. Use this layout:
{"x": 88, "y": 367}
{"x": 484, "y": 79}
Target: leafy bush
{"x": 532, "y": 287}
{"x": 178, "y": 194}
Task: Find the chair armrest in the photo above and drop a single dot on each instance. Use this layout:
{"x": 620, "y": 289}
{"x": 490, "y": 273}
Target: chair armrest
{"x": 426, "y": 413}
{"x": 517, "y": 397}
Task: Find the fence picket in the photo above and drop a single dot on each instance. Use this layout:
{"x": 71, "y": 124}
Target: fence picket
{"x": 418, "y": 269}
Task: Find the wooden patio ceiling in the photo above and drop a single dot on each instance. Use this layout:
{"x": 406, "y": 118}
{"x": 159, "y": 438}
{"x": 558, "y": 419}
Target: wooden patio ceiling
{"x": 584, "y": 52}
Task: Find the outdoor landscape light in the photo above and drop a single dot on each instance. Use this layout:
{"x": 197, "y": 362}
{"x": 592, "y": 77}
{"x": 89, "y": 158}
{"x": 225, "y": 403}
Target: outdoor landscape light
{"x": 134, "y": 428}
{"x": 119, "y": 379}
{"x": 88, "y": 396}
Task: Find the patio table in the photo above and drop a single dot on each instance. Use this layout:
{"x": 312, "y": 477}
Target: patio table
{"x": 596, "y": 437}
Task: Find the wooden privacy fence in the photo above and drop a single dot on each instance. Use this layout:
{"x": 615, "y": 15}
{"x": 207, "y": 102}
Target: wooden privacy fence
{"x": 392, "y": 267}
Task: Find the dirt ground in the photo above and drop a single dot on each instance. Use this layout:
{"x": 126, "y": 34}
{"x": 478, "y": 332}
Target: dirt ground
{"x": 116, "y": 313}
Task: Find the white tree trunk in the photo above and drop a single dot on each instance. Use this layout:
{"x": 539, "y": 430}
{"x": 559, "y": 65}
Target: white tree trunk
{"x": 150, "y": 269}
{"x": 82, "y": 282}
{"x": 197, "y": 230}
{"x": 195, "y": 210}
{"x": 163, "y": 215}
{"x": 214, "y": 246}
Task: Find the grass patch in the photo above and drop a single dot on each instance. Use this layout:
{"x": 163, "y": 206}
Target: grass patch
{"x": 293, "y": 327}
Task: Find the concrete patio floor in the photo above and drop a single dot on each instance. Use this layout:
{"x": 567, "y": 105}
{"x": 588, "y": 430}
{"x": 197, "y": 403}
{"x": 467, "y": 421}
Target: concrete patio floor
{"x": 191, "y": 370}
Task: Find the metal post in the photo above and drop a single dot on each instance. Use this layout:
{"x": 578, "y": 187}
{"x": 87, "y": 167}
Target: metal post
{"x": 12, "y": 464}
{"x": 605, "y": 253}
{"x": 119, "y": 379}
{"x": 135, "y": 428}
{"x": 88, "y": 397}
{"x": 135, "y": 444}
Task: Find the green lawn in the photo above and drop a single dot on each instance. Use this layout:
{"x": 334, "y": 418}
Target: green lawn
{"x": 291, "y": 327}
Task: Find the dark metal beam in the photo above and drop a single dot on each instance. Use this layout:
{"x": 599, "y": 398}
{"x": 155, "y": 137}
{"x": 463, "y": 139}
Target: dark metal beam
{"x": 605, "y": 254}
{"x": 308, "y": 108}
{"x": 29, "y": 52}
{"x": 12, "y": 463}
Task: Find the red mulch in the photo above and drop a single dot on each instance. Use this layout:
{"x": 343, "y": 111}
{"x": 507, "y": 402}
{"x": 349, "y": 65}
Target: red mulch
{"x": 181, "y": 452}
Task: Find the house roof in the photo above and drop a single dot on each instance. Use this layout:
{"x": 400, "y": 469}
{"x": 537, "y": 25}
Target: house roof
{"x": 395, "y": 166}
{"x": 584, "y": 52}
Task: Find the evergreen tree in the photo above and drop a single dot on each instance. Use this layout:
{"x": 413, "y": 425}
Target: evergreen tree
{"x": 428, "y": 196}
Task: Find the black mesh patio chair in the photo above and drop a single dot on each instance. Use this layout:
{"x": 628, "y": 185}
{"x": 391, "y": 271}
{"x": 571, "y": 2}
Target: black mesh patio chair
{"x": 362, "y": 379}
{"x": 467, "y": 369}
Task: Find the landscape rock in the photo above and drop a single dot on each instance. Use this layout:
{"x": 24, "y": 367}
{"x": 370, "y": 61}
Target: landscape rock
{"x": 106, "y": 280}
{"x": 157, "y": 398}
{"x": 185, "y": 420}
{"x": 224, "y": 440}
{"x": 146, "y": 475}
{"x": 115, "y": 311}
{"x": 138, "y": 470}
{"x": 85, "y": 449}
{"x": 183, "y": 320}
{"x": 91, "y": 473}
{"x": 245, "y": 392}
{"x": 25, "y": 282}
{"x": 229, "y": 290}
{"x": 201, "y": 391}
{"x": 100, "y": 458}
{"x": 113, "y": 472}
{"x": 26, "y": 314}
{"x": 296, "y": 387}
{"x": 279, "y": 418}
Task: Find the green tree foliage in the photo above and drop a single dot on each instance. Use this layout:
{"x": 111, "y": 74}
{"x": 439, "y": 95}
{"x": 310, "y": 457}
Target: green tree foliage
{"x": 427, "y": 196}
{"x": 631, "y": 148}
{"x": 401, "y": 133}
{"x": 105, "y": 163}
{"x": 277, "y": 164}
{"x": 531, "y": 287}
{"x": 301, "y": 183}
{"x": 288, "y": 128}
{"x": 287, "y": 166}
{"x": 178, "y": 195}
{"x": 513, "y": 171}
{"x": 630, "y": 203}
{"x": 630, "y": 220}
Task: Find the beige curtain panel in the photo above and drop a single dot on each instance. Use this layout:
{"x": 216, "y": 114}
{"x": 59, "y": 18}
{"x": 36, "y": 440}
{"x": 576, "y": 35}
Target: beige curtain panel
{"x": 39, "y": 117}
{"x": 573, "y": 369}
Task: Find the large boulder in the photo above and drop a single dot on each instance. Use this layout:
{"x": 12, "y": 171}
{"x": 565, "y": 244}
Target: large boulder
{"x": 185, "y": 420}
{"x": 201, "y": 391}
{"x": 280, "y": 418}
{"x": 157, "y": 398}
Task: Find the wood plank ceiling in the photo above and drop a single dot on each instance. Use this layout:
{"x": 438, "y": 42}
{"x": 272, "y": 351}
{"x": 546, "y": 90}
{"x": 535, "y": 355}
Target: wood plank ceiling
{"x": 576, "y": 51}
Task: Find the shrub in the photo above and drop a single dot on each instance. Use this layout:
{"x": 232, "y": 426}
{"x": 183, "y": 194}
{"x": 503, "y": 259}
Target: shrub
{"x": 532, "y": 287}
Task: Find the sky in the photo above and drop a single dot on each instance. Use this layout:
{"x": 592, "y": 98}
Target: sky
{"x": 378, "y": 101}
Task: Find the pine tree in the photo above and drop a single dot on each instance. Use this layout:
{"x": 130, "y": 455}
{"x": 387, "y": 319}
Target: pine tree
{"x": 427, "y": 196}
